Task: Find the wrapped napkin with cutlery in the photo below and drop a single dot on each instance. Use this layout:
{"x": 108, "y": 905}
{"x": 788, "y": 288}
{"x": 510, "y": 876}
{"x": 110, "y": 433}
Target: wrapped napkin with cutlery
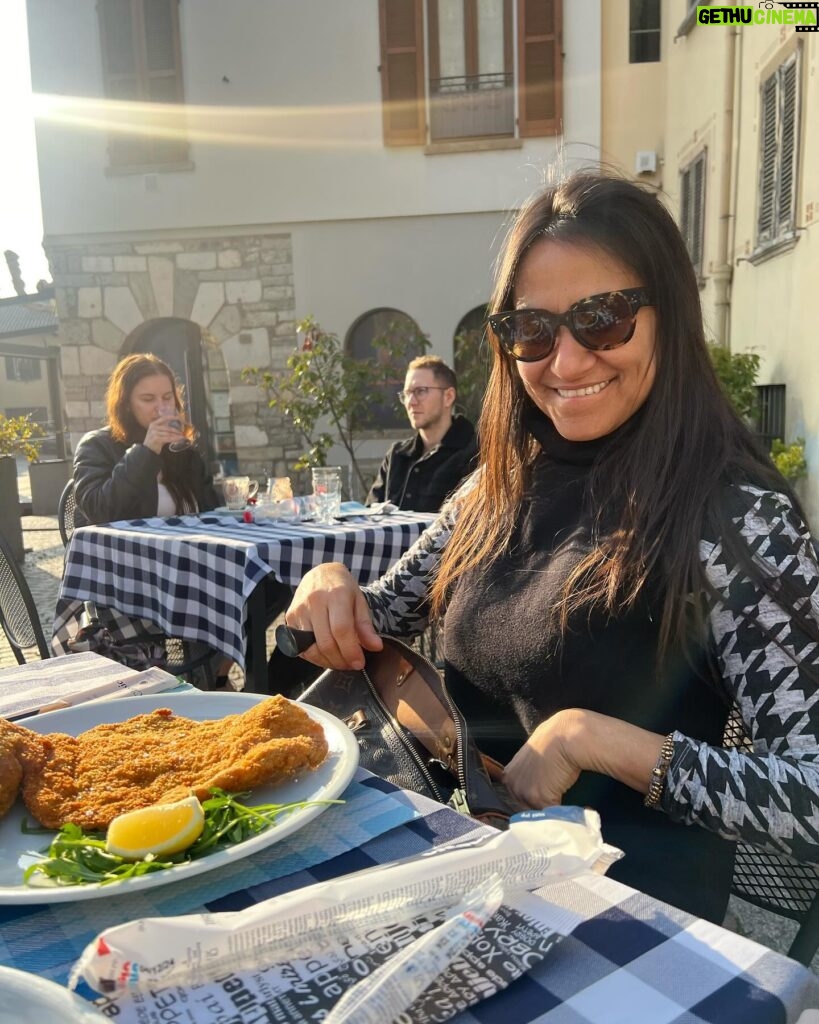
{"x": 371, "y": 946}
{"x": 70, "y": 679}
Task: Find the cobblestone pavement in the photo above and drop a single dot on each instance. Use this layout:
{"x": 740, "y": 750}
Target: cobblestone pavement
{"x": 43, "y": 569}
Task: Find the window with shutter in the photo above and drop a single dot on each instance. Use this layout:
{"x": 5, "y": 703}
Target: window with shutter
{"x": 778, "y": 154}
{"x": 401, "y": 25}
{"x": 142, "y": 64}
{"x": 471, "y": 82}
{"x": 692, "y": 209}
{"x": 540, "y": 67}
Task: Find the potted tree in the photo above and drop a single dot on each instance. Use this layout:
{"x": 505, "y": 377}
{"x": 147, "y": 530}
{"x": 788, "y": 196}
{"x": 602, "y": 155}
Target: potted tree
{"x": 18, "y": 436}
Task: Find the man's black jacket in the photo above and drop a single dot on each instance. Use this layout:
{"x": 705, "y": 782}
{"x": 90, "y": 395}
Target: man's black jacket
{"x": 420, "y": 482}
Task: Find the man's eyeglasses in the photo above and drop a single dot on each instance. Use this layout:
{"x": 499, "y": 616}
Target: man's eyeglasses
{"x": 598, "y": 323}
{"x": 405, "y": 397}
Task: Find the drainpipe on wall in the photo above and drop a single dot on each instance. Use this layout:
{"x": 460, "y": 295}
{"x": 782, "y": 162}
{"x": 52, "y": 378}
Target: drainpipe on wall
{"x": 723, "y": 272}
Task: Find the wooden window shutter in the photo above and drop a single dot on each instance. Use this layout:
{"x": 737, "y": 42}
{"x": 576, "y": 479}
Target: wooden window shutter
{"x": 401, "y": 24}
{"x": 787, "y": 146}
{"x": 692, "y": 210}
{"x": 141, "y": 59}
{"x": 767, "y": 170}
{"x": 697, "y": 213}
{"x": 540, "y": 68}
{"x": 121, "y": 73}
{"x": 163, "y": 72}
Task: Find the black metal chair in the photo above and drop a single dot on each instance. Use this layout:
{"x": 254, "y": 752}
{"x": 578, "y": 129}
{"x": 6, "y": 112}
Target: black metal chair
{"x": 190, "y": 659}
{"x": 18, "y": 614}
{"x": 776, "y": 883}
{"x": 65, "y": 512}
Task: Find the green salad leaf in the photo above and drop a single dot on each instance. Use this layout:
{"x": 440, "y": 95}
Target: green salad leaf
{"x": 75, "y": 857}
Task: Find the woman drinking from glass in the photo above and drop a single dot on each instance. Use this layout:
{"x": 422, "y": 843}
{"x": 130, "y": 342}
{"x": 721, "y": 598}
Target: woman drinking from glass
{"x": 133, "y": 467}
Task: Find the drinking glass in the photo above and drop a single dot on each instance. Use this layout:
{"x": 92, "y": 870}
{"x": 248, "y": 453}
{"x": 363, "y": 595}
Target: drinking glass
{"x": 327, "y": 492}
{"x": 179, "y": 424}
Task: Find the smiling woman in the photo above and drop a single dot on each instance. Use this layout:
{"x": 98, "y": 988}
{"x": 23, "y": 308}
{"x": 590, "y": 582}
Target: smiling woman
{"x": 625, "y": 571}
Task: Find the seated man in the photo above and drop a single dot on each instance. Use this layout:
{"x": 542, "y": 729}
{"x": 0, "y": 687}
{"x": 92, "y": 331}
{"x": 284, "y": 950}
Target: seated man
{"x": 419, "y": 473}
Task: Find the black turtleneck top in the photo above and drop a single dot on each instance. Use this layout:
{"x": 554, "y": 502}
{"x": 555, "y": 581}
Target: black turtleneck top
{"x": 509, "y": 668}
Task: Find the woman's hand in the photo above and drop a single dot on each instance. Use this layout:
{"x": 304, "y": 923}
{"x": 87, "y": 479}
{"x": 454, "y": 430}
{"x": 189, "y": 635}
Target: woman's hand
{"x": 329, "y": 602}
{"x": 577, "y": 740}
{"x": 543, "y": 769}
{"x": 160, "y": 432}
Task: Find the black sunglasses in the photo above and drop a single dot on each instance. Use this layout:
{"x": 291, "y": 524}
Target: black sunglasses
{"x": 598, "y": 323}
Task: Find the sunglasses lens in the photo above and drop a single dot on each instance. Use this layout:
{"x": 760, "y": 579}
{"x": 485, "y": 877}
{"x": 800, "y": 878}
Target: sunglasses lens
{"x": 604, "y": 322}
{"x": 527, "y": 335}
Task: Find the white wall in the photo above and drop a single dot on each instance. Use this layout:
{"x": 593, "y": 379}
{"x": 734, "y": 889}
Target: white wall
{"x": 295, "y": 135}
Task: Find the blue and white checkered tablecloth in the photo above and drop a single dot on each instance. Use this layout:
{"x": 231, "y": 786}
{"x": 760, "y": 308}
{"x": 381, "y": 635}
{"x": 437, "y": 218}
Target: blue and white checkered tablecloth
{"x": 191, "y": 576}
{"x": 628, "y": 959}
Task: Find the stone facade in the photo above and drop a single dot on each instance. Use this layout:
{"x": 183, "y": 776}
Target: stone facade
{"x": 239, "y": 290}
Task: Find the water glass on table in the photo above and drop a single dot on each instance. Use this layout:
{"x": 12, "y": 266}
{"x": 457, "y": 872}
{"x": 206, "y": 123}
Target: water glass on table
{"x": 327, "y": 492}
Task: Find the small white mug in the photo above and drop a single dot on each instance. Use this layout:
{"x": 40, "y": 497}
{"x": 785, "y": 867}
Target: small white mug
{"x": 237, "y": 490}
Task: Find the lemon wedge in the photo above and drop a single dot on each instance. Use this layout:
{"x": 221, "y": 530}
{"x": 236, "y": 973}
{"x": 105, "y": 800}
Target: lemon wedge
{"x": 160, "y": 829}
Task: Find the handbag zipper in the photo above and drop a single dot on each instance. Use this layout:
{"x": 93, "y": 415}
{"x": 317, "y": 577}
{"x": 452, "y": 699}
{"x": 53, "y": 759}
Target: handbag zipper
{"x": 399, "y": 731}
{"x": 454, "y": 714}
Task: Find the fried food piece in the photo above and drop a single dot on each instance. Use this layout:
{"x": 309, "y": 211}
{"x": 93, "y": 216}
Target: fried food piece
{"x": 11, "y": 774}
{"x": 159, "y": 758}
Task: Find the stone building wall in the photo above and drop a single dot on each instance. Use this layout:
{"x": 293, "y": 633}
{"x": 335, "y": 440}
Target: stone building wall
{"x": 238, "y": 289}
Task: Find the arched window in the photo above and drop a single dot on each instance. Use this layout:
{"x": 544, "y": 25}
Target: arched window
{"x": 472, "y": 361}
{"x": 391, "y": 338}
{"x": 178, "y": 342}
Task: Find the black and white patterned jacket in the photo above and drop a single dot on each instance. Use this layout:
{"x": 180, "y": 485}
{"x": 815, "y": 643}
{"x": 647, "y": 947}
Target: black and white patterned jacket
{"x": 768, "y": 796}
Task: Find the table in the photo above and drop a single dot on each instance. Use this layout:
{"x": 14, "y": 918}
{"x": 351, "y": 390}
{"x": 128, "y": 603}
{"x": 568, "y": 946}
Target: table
{"x": 628, "y": 958}
{"x": 197, "y": 576}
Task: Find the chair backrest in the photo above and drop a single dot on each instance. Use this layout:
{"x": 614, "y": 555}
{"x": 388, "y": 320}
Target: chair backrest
{"x": 18, "y": 614}
{"x": 773, "y": 882}
{"x": 65, "y": 512}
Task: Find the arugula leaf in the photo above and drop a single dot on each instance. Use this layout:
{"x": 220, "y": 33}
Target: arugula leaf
{"x": 75, "y": 857}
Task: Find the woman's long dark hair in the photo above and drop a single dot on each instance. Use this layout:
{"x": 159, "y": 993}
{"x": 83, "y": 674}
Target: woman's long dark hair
{"x": 175, "y": 466}
{"x": 667, "y": 474}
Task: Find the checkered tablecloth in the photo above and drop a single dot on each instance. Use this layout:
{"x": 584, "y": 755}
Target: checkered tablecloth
{"x": 190, "y": 576}
{"x": 628, "y": 958}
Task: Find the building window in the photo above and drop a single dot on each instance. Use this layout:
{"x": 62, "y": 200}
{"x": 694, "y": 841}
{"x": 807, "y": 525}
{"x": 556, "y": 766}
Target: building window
{"x": 692, "y": 210}
{"x": 369, "y": 339}
{"x": 472, "y": 81}
{"x": 22, "y": 368}
{"x": 644, "y": 31}
{"x": 142, "y": 64}
{"x": 770, "y": 413}
{"x": 779, "y": 137}
{"x": 472, "y": 361}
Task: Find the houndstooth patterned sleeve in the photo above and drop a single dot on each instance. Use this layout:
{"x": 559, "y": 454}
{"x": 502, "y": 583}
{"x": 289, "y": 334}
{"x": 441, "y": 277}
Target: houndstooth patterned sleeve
{"x": 768, "y": 796}
{"x": 398, "y": 601}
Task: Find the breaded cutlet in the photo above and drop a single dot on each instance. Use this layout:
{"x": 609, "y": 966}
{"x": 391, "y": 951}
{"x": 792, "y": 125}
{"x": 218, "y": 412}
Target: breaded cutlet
{"x": 154, "y": 758}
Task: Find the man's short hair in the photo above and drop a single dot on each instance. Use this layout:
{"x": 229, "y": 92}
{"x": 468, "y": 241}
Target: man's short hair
{"x": 443, "y": 373}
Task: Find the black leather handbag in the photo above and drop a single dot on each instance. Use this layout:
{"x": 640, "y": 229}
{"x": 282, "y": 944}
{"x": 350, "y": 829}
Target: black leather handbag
{"x": 410, "y": 732}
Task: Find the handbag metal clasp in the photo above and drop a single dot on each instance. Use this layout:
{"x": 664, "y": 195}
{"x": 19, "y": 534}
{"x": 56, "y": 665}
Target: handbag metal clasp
{"x": 357, "y": 721}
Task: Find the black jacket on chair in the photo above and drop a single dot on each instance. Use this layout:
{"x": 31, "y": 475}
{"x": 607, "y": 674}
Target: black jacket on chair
{"x": 419, "y": 481}
{"x": 114, "y": 481}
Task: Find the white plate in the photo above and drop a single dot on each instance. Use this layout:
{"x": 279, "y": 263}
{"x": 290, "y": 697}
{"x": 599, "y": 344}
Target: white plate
{"x": 328, "y": 781}
{"x": 28, "y": 999}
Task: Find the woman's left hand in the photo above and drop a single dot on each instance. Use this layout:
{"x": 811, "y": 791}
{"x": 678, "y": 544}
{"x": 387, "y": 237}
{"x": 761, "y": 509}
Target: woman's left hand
{"x": 577, "y": 740}
{"x": 543, "y": 769}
